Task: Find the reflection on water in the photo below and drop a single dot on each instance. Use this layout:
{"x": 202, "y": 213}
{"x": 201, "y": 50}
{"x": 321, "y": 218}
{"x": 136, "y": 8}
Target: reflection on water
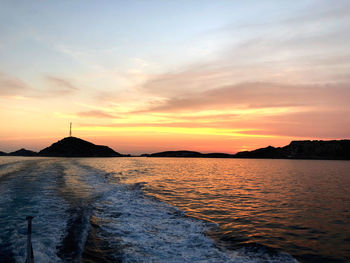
{"x": 298, "y": 206}
{"x": 131, "y": 210}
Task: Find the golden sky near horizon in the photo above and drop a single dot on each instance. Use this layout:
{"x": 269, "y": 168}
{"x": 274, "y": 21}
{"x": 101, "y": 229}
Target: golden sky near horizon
{"x": 145, "y": 77}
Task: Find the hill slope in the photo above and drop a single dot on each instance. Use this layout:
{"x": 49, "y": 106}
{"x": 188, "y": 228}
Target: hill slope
{"x": 331, "y": 150}
{"x": 76, "y": 147}
{"x": 189, "y": 154}
{"x": 23, "y": 152}
{"x": 336, "y": 150}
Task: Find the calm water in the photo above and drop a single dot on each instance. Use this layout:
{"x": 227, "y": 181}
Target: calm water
{"x": 175, "y": 210}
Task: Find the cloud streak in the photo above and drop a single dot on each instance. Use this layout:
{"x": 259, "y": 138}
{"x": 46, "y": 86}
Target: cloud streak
{"x": 61, "y": 83}
{"x": 15, "y": 87}
{"x": 59, "y": 87}
{"x": 10, "y": 86}
{"x": 259, "y": 95}
{"x": 96, "y": 114}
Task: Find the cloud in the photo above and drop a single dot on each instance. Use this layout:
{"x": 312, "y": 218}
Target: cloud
{"x": 61, "y": 82}
{"x": 14, "y": 87}
{"x": 259, "y": 95}
{"x": 11, "y": 86}
{"x": 312, "y": 124}
{"x": 96, "y": 114}
{"x": 60, "y": 86}
{"x": 316, "y": 110}
{"x": 259, "y": 63}
{"x": 285, "y": 78}
{"x": 304, "y": 124}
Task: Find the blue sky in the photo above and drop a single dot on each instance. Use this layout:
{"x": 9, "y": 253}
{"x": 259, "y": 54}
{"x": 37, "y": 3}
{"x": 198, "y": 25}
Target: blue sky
{"x": 45, "y": 35}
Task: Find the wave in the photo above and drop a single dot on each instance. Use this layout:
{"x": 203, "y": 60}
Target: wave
{"x": 86, "y": 214}
{"x": 29, "y": 192}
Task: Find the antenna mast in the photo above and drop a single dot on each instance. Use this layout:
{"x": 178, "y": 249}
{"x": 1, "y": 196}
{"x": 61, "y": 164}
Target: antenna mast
{"x": 70, "y": 130}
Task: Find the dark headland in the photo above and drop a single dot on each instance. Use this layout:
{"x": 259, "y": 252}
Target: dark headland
{"x": 69, "y": 147}
{"x": 189, "y": 154}
{"x": 322, "y": 150}
{"x": 23, "y": 152}
{"x": 76, "y": 147}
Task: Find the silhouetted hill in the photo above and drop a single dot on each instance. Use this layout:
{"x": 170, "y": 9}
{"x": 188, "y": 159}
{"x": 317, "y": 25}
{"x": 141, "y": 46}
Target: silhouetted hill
{"x": 188, "y": 154}
{"x": 176, "y": 154}
{"x": 218, "y": 155}
{"x": 332, "y": 150}
{"x": 75, "y": 147}
{"x": 335, "y": 149}
{"x": 23, "y": 152}
{"x": 267, "y": 152}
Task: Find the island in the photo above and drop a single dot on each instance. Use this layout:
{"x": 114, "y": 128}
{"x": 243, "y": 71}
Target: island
{"x": 189, "y": 154}
{"x": 23, "y": 152}
{"x": 76, "y": 147}
{"x": 317, "y": 149}
{"x": 69, "y": 147}
{"x": 334, "y": 149}
{"x": 307, "y": 149}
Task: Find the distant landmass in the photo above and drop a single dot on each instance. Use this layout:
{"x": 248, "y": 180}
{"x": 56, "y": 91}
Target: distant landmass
{"x": 69, "y": 147}
{"x": 189, "y": 154}
{"x": 335, "y": 150}
{"x": 23, "y": 152}
{"x": 175, "y": 154}
{"x": 75, "y": 147}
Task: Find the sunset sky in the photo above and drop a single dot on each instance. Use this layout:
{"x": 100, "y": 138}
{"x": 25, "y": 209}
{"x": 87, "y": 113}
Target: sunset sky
{"x": 147, "y": 76}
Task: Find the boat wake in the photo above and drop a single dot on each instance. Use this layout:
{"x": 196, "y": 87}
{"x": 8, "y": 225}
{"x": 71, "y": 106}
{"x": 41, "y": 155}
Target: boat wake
{"x": 85, "y": 214}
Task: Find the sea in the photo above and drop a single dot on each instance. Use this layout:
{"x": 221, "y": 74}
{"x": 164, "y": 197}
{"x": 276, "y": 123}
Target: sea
{"x": 141, "y": 209}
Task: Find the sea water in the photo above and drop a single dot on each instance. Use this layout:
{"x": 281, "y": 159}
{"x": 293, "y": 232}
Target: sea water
{"x": 175, "y": 210}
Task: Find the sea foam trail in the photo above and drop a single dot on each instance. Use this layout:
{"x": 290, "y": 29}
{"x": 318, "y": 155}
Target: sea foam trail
{"x": 8, "y": 168}
{"x": 147, "y": 230}
{"x": 80, "y": 187}
{"x": 133, "y": 227}
{"x": 83, "y": 214}
{"x": 58, "y": 194}
{"x": 30, "y": 191}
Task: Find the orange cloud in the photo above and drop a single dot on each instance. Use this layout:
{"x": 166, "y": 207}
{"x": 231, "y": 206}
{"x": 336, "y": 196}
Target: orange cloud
{"x": 259, "y": 95}
{"x": 10, "y": 86}
{"x": 96, "y": 114}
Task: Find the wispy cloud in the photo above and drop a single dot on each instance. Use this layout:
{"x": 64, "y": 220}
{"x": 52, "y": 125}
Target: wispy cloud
{"x": 96, "y": 114}
{"x": 14, "y": 87}
{"x": 259, "y": 95}
{"x": 289, "y": 78}
{"x": 62, "y": 83}
{"x": 11, "y": 86}
{"x": 60, "y": 86}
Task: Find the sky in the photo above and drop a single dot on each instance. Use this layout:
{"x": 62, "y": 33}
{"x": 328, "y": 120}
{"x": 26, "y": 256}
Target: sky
{"x": 148, "y": 76}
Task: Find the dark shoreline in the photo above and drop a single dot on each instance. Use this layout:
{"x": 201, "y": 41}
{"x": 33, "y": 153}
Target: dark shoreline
{"x": 296, "y": 150}
{"x": 310, "y": 150}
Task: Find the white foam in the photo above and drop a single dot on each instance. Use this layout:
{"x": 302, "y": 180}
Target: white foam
{"x": 153, "y": 231}
{"x": 141, "y": 227}
{"x": 31, "y": 194}
{"x": 10, "y": 167}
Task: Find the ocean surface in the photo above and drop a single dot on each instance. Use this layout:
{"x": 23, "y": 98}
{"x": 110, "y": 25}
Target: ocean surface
{"x": 175, "y": 210}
